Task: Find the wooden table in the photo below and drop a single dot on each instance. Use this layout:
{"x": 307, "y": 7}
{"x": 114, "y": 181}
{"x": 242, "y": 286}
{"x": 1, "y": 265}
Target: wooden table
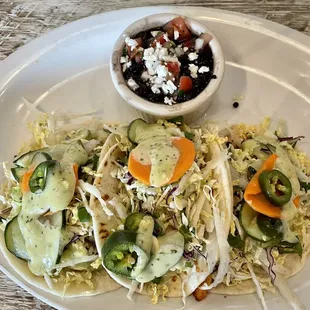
{"x": 23, "y": 20}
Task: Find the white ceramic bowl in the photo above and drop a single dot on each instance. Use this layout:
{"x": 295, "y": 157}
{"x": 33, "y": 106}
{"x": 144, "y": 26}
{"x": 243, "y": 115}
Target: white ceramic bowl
{"x": 193, "y": 109}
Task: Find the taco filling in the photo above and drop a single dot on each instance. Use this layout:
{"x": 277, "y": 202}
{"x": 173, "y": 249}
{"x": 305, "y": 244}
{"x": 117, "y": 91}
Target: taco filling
{"x": 47, "y": 228}
{"x": 270, "y": 232}
{"x": 163, "y": 209}
{"x": 168, "y": 187}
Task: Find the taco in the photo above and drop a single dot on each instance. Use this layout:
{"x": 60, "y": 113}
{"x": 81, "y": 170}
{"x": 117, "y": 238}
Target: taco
{"x": 47, "y": 232}
{"x": 163, "y": 211}
{"x": 270, "y": 238}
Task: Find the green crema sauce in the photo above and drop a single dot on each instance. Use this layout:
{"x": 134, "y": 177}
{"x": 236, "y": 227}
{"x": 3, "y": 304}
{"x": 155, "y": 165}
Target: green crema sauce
{"x": 40, "y": 235}
{"x": 161, "y": 155}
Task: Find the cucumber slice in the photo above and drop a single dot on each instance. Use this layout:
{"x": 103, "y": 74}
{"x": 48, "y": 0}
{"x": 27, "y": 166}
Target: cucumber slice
{"x": 135, "y": 126}
{"x": 269, "y": 226}
{"x": 56, "y": 152}
{"x": 26, "y": 159}
{"x": 14, "y": 240}
{"x": 248, "y": 220}
{"x": 80, "y": 134}
{"x": 75, "y": 153}
{"x": 18, "y": 172}
{"x": 260, "y": 154}
{"x": 39, "y": 158}
{"x": 171, "y": 248}
{"x": 139, "y": 130}
{"x": 249, "y": 145}
{"x": 31, "y": 159}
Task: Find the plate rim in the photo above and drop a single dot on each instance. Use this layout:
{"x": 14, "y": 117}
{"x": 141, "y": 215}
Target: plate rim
{"x": 24, "y": 56}
{"x": 56, "y": 36}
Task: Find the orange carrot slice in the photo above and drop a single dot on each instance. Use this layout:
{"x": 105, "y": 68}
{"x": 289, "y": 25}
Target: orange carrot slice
{"x": 253, "y": 187}
{"x": 187, "y": 155}
{"x": 256, "y": 199}
{"x": 139, "y": 171}
{"x": 76, "y": 172}
{"x": 296, "y": 201}
{"x": 25, "y": 181}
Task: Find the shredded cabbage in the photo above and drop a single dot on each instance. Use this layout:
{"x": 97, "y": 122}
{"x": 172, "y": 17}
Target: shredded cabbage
{"x": 97, "y": 263}
{"x": 93, "y": 190}
{"x": 156, "y": 291}
{"x": 75, "y": 261}
{"x": 48, "y": 281}
{"x": 133, "y": 288}
{"x": 119, "y": 208}
{"x": 69, "y": 278}
{"x": 281, "y": 284}
{"x": 258, "y": 287}
{"x": 224, "y": 249}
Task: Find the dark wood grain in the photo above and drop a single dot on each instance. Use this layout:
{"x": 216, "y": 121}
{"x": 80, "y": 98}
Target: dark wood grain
{"x": 21, "y": 21}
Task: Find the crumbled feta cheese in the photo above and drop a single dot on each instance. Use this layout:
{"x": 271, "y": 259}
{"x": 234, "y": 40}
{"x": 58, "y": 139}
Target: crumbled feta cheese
{"x": 203, "y": 69}
{"x": 148, "y": 52}
{"x": 132, "y": 84}
{"x": 158, "y": 45}
{"x": 166, "y": 37}
{"x": 168, "y": 87}
{"x": 145, "y": 76}
{"x": 176, "y": 34}
{"x": 151, "y": 66}
{"x": 168, "y": 101}
{"x": 155, "y": 33}
{"x": 162, "y": 52}
{"x": 124, "y": 59}
{"x": 170, "y": 58}
{"x": 193, "y": 69}
{"x": 155, "y": 60}
{"x": 185, "y": 49}
{"x": 131, "y": 43}
{"x": 192, "y": 56}
{"x": 198, "y": 44}
{"x": 155, "y": 89}
{"x": 126, "y": 65}
{"x": 165, "y": 88}
{"x": 158, "y": 80}
{"x": 162, "y": 70}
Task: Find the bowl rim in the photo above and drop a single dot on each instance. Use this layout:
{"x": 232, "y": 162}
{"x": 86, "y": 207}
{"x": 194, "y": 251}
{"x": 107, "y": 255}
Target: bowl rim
{"x": 158, "y": 109}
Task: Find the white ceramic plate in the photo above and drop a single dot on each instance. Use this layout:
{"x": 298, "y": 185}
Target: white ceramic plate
{"x": 268, "y": 65}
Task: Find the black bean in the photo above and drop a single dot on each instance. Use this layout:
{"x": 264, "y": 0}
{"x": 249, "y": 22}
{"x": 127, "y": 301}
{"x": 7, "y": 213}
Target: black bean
{"x": 205, "y": 58}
